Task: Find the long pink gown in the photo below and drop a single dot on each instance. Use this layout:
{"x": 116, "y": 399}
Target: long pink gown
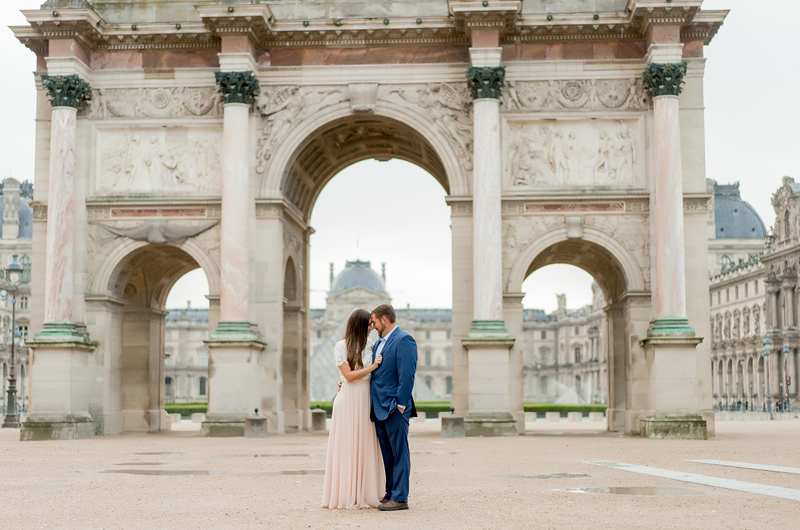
{"x": 354, "y": 475}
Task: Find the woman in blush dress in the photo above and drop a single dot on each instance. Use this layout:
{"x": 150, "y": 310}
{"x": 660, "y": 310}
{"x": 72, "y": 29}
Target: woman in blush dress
{"x": 354, "y": 474}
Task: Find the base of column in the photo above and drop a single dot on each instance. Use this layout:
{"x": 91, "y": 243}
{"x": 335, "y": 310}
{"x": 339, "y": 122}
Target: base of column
{"x": 488, "y": 329}
{"x": 670, "y": 328}
{"x": 234, "y": 330}
{"x": 676, "y": 427}
{"x": 56, "y": 426}
{"x": 54, "y": 332}
{"x": 490, "y": 424}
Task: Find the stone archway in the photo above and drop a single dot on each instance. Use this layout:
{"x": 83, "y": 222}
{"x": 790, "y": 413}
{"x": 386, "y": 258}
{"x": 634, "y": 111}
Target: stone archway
{"x": 129, "y": 322}
{"x": 627, "y": 315}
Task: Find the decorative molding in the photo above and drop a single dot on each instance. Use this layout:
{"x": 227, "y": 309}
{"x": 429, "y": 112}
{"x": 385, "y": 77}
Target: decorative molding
{"x": 461, "y": 208}
{"x": 592, "y": 94}
{"x": 693, "y": 204}
{"x": 664, "y": 79}
{"x": 569, "y": 207}
{"x": 237, "y": 87}
{"x": 485, "y": 82}
{"x": 173, "y": 102}
{"x": 66, "y": 90}
{"x": 39, "y": 211}
{"x": 157, "y": 212}
{"x": 267, "y": 211}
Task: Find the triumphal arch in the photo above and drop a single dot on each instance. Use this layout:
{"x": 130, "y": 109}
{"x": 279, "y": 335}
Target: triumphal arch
{"x": 184, "y": 134}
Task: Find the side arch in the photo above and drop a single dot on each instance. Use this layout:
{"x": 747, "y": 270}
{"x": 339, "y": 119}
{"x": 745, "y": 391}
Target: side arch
{"x": 633, "y": 279}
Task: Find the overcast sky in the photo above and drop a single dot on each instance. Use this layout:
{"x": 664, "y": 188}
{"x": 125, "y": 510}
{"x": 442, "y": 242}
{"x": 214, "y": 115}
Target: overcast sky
{"x": 752, "y": 136}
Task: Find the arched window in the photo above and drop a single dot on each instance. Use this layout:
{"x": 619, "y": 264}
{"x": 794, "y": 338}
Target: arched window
{"x": 725, "y": 263}
{"x": 577, "y": 354}
{"x": 203, "y": 381}
{"x": 26, "y": 268}
{"x": 168, "y": 387}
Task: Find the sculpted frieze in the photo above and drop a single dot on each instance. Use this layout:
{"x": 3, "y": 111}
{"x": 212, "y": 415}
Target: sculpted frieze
{"x": 519, "y": 233}
{"x": 632, "y": 231}
{"x": 282, "y": 108}
{"x": 447, "y": 106}
{"x": 575, "y": 153}
{"x": 158, "y": 160}
{"x": 591, "y": 94}
{"x": 154, "y": 102}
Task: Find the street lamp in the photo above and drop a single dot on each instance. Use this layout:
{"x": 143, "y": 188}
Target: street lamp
{"x": 788, "y": 404}
{"x": 13, "y": 275}
{"x": 767, "y": 344}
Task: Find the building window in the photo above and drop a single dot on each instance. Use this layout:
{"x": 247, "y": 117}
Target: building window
{"x": 746, "y": 288}
{"x": 168, "y": 387}
{"x": 428, "y": 335}
{"x": 578, "y": 385}
{"x": 168, "y": 361}
{"x": 203, "y": 381}
{"x": 543, "y": 384}
{"x": 203, "y": 354}
{"x": 577, "y": 330}
{"x": 755, "y": 284}
{"x": 544, "y": 334}
{"x": 728, "y": 295}
{"x": 718, "y": 297}
{"x": 577, "y": 355}
{"x": 429, "y": 382}
{"x": 319, "y": 334}
{"x": 23, "y": 302}
{"x": 543, "y": 355}
{"x": 169, "y": 334}
{"x": 23, "y": 333}
{"x": 26, "y": 268}
{"x": 427, "y": 357}
{"x": 724, "y": 263}
{"x": 448, "y": 334}
{"x": 448, "y": 384}
{"x": 448, "y": 357}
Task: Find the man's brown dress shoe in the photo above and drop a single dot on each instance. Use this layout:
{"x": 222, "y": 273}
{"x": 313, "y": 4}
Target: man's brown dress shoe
{"x": 390, "y": 506}
{"x": 383, "y": 499}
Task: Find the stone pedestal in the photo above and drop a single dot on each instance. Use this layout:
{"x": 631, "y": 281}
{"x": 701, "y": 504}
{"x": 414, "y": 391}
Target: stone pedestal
{"x": 318, "y": 420}
{"x": 489, "y": 401}
{"x": 255, "y": 426}
{"x": 59, "y": 407}
{"x": 452, "y": 425}
{"x": 674, "y": 408}
{"x": 234, "y": 371}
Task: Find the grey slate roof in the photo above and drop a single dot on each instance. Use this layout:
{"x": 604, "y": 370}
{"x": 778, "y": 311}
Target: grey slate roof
{"x": 192, "y": 315}
{"x": 25, "y": 218}
{"x": 358, "y": 274}
{"x": 734, "y": 217}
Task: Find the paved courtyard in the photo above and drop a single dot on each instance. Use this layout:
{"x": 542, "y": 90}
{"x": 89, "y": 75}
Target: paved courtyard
{"x": 541, "y": 480}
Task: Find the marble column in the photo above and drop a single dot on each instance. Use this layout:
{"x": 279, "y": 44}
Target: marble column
{"x": 238, "y": 376}
{"x": 67, "y": 94}
{"x": 59, "y": 372}
{"x": 492, "y": 396}
{"x": 238, "y": 90}
{"x": 664, "y": 83}
{"x": 485, "y": 84}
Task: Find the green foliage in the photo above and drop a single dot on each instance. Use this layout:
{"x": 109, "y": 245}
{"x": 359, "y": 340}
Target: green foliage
{"x": 558, "y": 407}
{"x": 186, "y": 409}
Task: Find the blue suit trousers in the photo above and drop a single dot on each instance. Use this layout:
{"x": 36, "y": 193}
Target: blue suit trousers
{"x": 393, "y": 439}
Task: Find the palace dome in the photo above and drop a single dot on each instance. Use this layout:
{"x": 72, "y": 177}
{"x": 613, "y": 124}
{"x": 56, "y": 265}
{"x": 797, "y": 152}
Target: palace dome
{"x": 358, "y": 274}
{"x": 733, "y": 217}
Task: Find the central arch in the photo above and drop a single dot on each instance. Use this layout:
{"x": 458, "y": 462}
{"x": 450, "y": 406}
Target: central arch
{"x": 338, "y": 139}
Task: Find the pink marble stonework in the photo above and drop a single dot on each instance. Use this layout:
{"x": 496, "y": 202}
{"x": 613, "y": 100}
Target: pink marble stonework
{"x": 59, "y": 265}
{"x": 235, "y": 258}
{"x": 670, "y": 262}
{"x": 487, "y": 220}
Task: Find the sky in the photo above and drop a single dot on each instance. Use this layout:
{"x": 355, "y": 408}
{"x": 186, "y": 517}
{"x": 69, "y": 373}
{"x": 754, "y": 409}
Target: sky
{"x": 752, "y": 136}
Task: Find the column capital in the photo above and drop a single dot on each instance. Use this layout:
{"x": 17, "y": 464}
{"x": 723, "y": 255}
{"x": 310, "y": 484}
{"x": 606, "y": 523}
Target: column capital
{"x": 485, "y": 82}
{"x": 66, "y": 90}
{"x": 237, "y": 87}
{"x": 664, "y": 79}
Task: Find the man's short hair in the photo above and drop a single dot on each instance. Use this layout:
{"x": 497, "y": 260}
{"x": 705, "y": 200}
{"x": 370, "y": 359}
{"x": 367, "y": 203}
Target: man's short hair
{"x": 385, "y": 310}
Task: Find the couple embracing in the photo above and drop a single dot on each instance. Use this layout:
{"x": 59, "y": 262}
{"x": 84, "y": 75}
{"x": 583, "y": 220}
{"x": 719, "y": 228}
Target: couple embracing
{"x": 369, "y": 463}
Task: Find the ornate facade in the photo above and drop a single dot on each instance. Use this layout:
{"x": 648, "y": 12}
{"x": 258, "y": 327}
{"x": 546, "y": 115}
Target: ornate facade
{"x": 179, "y": 136}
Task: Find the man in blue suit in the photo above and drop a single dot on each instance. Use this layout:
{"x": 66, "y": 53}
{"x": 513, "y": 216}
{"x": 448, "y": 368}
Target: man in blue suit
{"x": 392, "y": 404}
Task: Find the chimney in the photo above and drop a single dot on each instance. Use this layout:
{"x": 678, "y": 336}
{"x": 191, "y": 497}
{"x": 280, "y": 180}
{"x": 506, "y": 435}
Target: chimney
{"x": 10, "y": 208}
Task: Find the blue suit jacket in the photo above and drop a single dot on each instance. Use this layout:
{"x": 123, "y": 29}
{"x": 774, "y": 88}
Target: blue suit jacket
{"x": 392, "y": 382}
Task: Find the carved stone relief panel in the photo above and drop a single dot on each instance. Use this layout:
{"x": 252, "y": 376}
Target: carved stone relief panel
{"x": 574, "y": 154}
{"x": 591, "y": 94}
{"x": 172, "y": 102}
{"x": 632, "y": 231}
{"x": 520, "y": 232}
{"x": 158, "y": 161}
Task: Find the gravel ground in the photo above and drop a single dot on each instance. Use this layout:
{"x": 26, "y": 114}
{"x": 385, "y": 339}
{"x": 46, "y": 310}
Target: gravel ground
{"x": 135, "y": 481}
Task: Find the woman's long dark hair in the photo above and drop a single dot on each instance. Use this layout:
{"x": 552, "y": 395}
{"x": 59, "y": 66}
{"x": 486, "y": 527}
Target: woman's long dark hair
{"x": 355, "y": 337}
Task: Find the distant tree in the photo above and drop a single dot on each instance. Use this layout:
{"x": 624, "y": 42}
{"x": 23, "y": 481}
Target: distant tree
{"x": 26, "y": 190}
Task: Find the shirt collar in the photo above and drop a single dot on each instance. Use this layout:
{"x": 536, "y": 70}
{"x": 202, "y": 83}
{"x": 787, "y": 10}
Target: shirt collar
{"x": 386, "y": 337}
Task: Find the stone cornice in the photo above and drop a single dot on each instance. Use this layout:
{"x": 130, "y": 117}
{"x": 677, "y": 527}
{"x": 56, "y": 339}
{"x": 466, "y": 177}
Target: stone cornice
{"x": 266, "y": 32}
